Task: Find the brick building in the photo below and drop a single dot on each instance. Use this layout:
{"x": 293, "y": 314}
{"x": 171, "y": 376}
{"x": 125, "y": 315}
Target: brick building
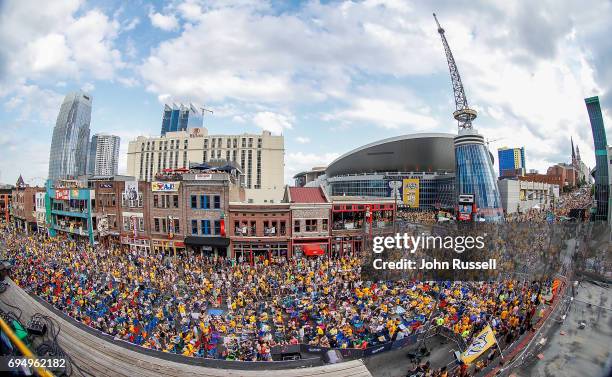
{"x": 188, "y": 208}
{"x": 6, "y": 193}
{"x": 260, "y": 231}
{"x": 310, "y": 220}
{"x": 135, "y": 219}
{"x": 23, "y": 205}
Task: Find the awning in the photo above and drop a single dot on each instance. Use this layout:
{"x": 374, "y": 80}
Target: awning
{"x": 207, "y": 241}
{"x": 312, "y": 250}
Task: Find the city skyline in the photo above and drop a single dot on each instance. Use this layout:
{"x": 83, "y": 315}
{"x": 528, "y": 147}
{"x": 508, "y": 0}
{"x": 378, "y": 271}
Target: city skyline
{"x": 353, "y": 78}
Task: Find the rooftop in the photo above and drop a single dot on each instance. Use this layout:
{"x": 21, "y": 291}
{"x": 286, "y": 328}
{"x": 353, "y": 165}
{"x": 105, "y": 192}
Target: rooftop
{"x": 307, "y": 195}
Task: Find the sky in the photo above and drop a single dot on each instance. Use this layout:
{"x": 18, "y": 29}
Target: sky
{"x": 329, "y": 76}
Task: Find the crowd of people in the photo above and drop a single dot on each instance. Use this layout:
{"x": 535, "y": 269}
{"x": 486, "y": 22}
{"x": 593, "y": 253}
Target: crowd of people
{"x": 198, "y": 306}
{"x": 216, "y": 308}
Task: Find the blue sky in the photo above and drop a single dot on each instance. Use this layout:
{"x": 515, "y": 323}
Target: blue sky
{"x": 329, "y": 76}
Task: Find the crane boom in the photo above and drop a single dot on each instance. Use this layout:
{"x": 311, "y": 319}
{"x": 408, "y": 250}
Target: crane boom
{"x": 463, "y": 113}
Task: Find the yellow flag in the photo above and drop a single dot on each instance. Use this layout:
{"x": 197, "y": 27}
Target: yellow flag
{"x": 481, "y": 343}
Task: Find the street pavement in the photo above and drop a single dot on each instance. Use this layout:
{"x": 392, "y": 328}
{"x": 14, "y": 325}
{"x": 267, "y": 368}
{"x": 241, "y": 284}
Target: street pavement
{"x": 395, "y": 363}
{"x": 571, "y": 351}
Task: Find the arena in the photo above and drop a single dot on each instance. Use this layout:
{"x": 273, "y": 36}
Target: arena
{"x": 373, "y": 170}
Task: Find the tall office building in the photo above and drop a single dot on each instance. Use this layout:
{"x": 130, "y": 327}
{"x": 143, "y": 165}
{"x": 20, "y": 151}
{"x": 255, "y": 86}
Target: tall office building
{"x": 70, "y": 143}
{"x": 180, "y": 118}
{"x": 511, "y": 162}
{"x": 602, "y": 188}
{"x": 105, "y": 152}
{"x": 260, "y": 156}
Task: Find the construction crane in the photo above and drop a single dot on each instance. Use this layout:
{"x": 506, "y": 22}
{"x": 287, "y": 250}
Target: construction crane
{"x": 463, "y": 114}
{"x": 204, "y": 110}
{"x": 494, "y": 140}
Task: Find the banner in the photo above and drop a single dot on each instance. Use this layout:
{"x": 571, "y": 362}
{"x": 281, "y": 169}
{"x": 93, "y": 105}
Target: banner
{"x": 131, "y": 190}
{"x": 165, "y": 186}
{"x": 74, "y": 193}
{"x": 410, "y": 192}
{"x": 481, "y": 343}
{"x": 62, "y": 194}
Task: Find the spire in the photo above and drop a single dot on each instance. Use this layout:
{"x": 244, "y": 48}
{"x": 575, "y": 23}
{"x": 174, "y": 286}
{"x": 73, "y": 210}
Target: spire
{"x": 20, "y": 182}
{"x": 577, "y": 153}
{"x": 573, "y": 153}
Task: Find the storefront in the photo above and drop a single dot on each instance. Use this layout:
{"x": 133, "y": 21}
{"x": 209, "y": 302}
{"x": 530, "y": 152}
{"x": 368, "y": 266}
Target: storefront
{"x": 208, "y": 246}
{"x": 139, "y": 243}
{"x": 311, "y": 248}
{"x": 168, "y": 245}
{"x": 257, "y": 251}
{"x": 342, "y": 246}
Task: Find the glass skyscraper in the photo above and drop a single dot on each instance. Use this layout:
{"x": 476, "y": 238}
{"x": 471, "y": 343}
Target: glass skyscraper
{"x": 475, "y": 174}
{"x": 70, "y": 143}
{"x": 180, "y": 118}
{"x": 511, "y": 161}
{"x": 602, "y": 189}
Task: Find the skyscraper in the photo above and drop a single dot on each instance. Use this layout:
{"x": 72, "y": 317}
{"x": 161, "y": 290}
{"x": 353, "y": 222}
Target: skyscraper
{"x": 70, "y": 143}
{"x": 180, "y": 118}
{"x": 106, "y": 154}
{"x": 511, "y": 161}
{"x": 602, "y": 189}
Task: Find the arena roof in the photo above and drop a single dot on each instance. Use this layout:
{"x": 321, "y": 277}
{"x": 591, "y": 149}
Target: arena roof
{"x": 422, "y": 152}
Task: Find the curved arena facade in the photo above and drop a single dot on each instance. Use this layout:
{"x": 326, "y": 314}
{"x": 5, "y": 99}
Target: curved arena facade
{"x": 425, "y": 161}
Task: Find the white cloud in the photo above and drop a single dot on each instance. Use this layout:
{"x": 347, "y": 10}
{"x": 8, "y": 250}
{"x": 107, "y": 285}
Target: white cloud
{"x": 384, "y": 113}
{"x": 55, "y": 43}
{"x": 35, "y": 104}
{"x": 165, "y": 22}
{"x": 273, "y": 122}
{"x": 131, "y": 25}
{"x": 88, "y": 87}
{"x": 296, "y": 162}
{"x": 302, "y": 139}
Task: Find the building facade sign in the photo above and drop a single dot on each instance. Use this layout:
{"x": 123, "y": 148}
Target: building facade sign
{"x": 62, "y": 194}
{"x": 203, "y": 177}
{"x": 165, "y": 186}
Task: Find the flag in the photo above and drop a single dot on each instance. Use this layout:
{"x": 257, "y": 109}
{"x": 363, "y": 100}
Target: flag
{"x": 480, "y": 344}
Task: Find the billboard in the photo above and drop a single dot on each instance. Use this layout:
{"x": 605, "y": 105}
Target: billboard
{"x": 131, "y": 190}
{"x": 165, "y": 186}
{"x": 410, "y": 192}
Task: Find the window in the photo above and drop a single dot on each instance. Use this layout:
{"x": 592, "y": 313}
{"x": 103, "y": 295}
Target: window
{"x": 176, "y": 201}
{"x": 296, "y": 226}
{"x": 126, "y": 223}
{"x": 311, "y": 225}
{"x": 194, "y": 201}
{"x": 205, "y": 226}
{"x": 324, "y": 225}
{"x": 217, "y": 203}
{"x": 177, "y": 226}
{"x": 156, "y": 201}
{"x": 194, "y": 226}
{"x": 156, "y": 222}
{"x": 204, "y": 203}
{"x": 141, "y": 224}
{"x": 218, "y": 227}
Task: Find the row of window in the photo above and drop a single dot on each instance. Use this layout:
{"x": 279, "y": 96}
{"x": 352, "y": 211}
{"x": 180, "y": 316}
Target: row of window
{"x": 204, "y": 202}
{"x": 202, "y": 227}
{"x": 214, "y": 143}
{"x": 310, "y": 225}
{"x": 165, "y": 201}
{"x": 166, "y": 225}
